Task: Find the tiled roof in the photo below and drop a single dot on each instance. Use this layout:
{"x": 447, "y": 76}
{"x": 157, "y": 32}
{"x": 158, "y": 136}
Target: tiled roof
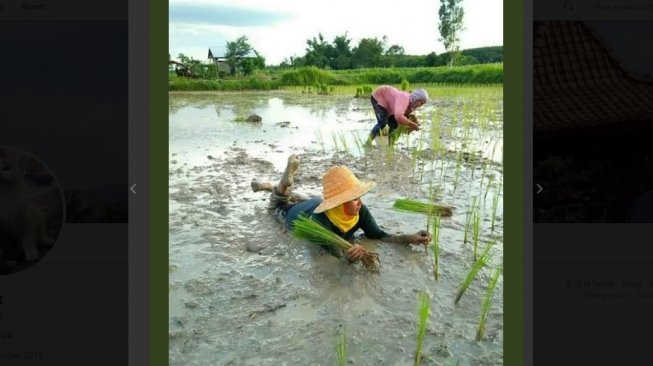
{"x": 578, "y": 82}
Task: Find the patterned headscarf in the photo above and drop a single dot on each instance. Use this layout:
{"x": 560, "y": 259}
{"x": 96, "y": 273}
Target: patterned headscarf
{"x": 419, "y": 94}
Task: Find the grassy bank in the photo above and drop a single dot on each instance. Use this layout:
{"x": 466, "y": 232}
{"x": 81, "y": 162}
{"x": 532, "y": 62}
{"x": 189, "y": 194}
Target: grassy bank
{"x": 312, "y": 76}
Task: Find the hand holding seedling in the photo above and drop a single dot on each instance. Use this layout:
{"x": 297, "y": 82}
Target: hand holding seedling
{"x": 355, "y": 253}
{"x": 415, "y": 124}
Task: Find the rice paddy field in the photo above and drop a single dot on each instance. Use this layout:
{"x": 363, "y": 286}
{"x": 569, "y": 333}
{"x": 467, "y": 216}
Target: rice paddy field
{"x": 244, "y": 292}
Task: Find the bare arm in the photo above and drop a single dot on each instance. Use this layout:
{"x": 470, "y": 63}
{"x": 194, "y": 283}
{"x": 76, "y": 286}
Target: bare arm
{"x": 421, "y": 237}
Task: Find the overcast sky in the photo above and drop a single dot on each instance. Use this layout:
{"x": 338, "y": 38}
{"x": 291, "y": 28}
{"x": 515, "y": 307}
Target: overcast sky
{"x": 279, "y": 29}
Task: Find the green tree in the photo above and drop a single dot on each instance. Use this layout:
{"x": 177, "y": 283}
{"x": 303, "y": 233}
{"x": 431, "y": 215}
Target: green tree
{"x": 395, "y": 50}
{"x": 432, "y": 59}
{"x": 318, "y": 52}
{"x": 368, "y": 53}
{"x": 235, "y": 53}
{"x": 341, "y": 53}
{"x": 451, "y": 24}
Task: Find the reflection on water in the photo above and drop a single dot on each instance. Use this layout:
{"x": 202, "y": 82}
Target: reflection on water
{"x": 242, "y": 291}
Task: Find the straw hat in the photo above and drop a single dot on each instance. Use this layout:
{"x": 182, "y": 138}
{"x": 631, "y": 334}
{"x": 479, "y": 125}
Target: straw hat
{"x": 340, "y": 185}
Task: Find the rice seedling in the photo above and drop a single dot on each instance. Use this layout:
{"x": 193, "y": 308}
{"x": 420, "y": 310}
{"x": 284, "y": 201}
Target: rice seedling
{"x": 321, "y": 140}
{"x": 487, "y": 188}
{"x": 495, "y": 203}
{"x": 341, "y": 345}
{"x": 423, "y": 315}
{"x": 307, "y": 228}
{"x": 468, "y": 218}
{"x": 436, "y": 246}
{"x": 398, "y": 132}
{"x": 457, "y": 171}
{"x": 487, "y": 303}
{"x": 343, "y": 141}
{"x": 482, "y": 261}
{"x": 334, "y": 138}
{"x": 476, "y": 231}
{"x": 406, "y": 205}
{"x": 359, "y": 144}
{"x": 404, "y": 84}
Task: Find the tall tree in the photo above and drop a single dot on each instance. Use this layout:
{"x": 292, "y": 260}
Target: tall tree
{"x": 318, "y": 52}
{"x": 341, "y": 53}
{"x": 236, "y": 51}
{"x": 368, "y": 53}
{"x": 451, "y": 24}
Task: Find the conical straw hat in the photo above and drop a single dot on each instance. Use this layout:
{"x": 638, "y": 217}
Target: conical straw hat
{"x": 340, "y": 185}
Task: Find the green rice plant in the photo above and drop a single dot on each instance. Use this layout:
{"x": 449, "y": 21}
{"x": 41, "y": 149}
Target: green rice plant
{"x": 423, "y": 315}
{"x": 482, "y": 261}
{"x": 436, "y": 246}
{"x": 321, "y": 140}
{"x": 334, "y": 138}
{"x": 309, "y": 229}
{"x": 359, "y": 144}
{"x": 487, "y": 303}
{"x": 341, "y": 345}
{"x": 343, "y": 141}
{"x": 397, "y": 132}
{"x": 490, "y": 179}
{"x": 476, "y": 231}
{"x": 469, "y": 215}
{"x": 404, "y": 84}
{"x": 406, "y": 205}
{"x": 495, "y": 203}
{"x": 457, "y": 171}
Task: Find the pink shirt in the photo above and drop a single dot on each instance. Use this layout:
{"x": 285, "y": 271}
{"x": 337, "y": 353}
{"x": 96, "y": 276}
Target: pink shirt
{"x": 393, "y": 100}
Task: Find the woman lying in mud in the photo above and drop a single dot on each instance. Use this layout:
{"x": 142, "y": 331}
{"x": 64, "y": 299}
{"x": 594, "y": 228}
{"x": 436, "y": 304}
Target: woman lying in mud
{"x": 341, "y": 210}
{"x": 393, "y": 106}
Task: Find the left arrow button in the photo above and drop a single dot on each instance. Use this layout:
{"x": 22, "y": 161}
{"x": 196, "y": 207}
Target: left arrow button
{"x": 132, "y": 189}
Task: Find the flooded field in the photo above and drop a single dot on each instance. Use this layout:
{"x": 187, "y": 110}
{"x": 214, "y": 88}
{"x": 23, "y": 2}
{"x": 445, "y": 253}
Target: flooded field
{"x": 244, "y": 292}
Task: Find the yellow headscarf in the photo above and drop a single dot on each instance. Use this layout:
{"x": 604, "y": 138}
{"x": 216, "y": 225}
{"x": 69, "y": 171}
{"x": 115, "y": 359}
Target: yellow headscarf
{"x": 340, "y": 219}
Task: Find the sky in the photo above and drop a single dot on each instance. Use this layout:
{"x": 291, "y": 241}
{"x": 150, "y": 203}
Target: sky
{"x": 278, "y": 29}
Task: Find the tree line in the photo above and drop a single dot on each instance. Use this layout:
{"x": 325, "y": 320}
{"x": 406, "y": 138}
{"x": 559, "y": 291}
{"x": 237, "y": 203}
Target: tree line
{"x": 374, "y": 52}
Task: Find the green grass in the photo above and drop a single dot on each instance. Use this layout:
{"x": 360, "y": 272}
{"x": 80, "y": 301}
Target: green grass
{"x": 482, "y": 261}
{"x": 328, "y": 81}
{"x": 487, "y": 304}
{"x": 423, "y": 315}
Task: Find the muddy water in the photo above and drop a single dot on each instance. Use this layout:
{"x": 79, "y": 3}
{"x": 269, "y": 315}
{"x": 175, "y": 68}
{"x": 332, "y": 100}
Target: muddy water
{"x": 243, "y": 292}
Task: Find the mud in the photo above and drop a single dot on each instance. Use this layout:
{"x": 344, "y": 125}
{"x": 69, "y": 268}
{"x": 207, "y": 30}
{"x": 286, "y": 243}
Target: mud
{"x": 244, "y": 292}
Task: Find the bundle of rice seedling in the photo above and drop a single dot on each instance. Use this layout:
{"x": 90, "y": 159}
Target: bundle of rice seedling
{"x": 306, "y": 228}
{"x": 407, "y": 205}
{"x": 401, "y": 129}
